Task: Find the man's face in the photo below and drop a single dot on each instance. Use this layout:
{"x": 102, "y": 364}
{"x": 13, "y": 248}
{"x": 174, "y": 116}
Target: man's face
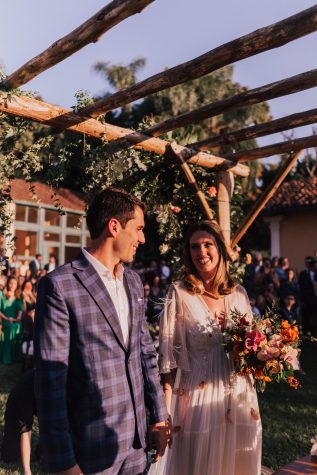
{"x": 128, "y": 238}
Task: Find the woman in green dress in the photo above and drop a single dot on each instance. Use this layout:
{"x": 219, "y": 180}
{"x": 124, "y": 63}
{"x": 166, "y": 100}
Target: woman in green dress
{"x": 10, "y": 314}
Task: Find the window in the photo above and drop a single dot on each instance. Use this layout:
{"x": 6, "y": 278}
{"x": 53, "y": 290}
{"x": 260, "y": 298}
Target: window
{"x": 73, "y": 220}
{"x": 25, "y": 244}
{"x": 20, "y": 212}
{"x": 51, "y": 218}
{"x": 73, "y": 239}
{"x": 32, "y": 214}
{"x": 51, "y": 237}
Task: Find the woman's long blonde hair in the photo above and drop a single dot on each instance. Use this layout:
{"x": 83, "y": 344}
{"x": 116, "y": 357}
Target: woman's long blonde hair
{"x": 222, "y": 284}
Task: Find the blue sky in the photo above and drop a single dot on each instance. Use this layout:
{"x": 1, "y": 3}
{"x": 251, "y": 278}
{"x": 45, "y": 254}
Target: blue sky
{"x": 166, "y": 33}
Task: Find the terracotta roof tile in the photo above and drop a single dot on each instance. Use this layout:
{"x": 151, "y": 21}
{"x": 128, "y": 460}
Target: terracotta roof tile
{"x": 69, "y": 199}
{"x": 294, "y": 194}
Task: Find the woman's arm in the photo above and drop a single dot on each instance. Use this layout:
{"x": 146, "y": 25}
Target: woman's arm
{"x": 168, "y": 380}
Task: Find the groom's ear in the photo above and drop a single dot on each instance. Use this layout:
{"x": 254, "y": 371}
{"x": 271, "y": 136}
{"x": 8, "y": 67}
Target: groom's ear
{"x": 113, "y": 227}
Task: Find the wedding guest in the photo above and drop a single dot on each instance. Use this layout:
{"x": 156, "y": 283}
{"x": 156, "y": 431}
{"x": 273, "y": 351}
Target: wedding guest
{"x": 24, "y": 269}
{"x": 10, "y": 314}
{"x": 308, "y": 298}
{"x": 263, "y": 277}
{"x": 216, "y": 415}
{"x": 28, "y": 296}
{"x": 15, "y": 265}
{"x": 52, "y": 263}
{"x": 36, "y": 265}
{"x": 289, "y": 286}
{"x": 288, "y": 309}
{"x": 165, "y": 272}
{"x": 283, "y": 264}
{"x": 4, "y": 263}
{"x": 254, "y": 308}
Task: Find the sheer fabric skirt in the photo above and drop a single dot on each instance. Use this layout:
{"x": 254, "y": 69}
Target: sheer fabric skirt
{"x": 220, "y": 428}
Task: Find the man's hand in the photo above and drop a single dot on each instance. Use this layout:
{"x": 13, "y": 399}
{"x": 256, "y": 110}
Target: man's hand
{"x": 160, "y": 434}
{"x": 75, "y": 470}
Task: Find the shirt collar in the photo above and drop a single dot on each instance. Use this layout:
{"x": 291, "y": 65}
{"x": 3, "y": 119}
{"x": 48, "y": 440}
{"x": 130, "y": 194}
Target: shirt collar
{"x": 103, "y": 270}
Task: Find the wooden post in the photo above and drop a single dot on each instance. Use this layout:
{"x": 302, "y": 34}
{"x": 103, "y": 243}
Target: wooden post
{"x": 225, "y": 182}
{"x": 264, "y": 198}
{"x": 176, "y": 152}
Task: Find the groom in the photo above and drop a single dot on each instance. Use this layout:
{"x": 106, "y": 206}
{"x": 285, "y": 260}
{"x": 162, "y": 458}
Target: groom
{"x": 95, "y": 362}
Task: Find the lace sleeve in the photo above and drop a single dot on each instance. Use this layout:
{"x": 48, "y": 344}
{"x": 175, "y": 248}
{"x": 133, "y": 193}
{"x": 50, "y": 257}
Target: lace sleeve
{"x": 173, "y": 351}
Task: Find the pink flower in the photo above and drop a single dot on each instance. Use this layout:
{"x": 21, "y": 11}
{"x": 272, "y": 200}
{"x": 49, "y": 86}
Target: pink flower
{"x": 268, "y": 353}
{"x": 253, "y": 339}
{"x": 175, "y": 209}
{"x": 291, "y": 356}
{"x": 276, "y": 341}
{"x": 212, "y": 191}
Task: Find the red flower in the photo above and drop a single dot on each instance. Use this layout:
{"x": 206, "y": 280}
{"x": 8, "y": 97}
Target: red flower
{"x": 212, "y": 191}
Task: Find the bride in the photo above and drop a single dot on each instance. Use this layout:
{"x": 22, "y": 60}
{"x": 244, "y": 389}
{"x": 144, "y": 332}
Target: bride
{"x": 215, "y": 412}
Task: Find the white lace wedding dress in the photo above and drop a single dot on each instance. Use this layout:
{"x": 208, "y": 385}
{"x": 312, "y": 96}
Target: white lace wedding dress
{"x": 217, "y": 412}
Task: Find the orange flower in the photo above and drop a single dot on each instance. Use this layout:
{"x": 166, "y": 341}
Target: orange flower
{"x": 290, "y": 334}
{"x": 272, "y": 366}
{"x": 258, "y": 374}
{"x": 293, "y": 382}
{"x": 285, "y": 324}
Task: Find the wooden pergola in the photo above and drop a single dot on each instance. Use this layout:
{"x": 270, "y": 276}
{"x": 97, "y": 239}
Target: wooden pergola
{"x": 228, "y": 166}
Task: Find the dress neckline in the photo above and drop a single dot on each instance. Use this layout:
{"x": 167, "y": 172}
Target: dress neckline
{"x": 208, "y": 309}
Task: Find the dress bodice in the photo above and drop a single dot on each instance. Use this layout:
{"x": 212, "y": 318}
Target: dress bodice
{"x": 202, "y": 332}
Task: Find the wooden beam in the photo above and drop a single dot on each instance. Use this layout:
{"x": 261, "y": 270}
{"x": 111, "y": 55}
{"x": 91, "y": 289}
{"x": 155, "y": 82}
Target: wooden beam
{"x": 264, "y": 198}
{"x": 225, "y": 182}
{"x": 89, "y": 32}
{"x": 297, "y": 83}
{"x": 275, "y": 149}
{"x": 285, "y": 123}
{"x": 269, "y": 37}
{"x": 176, "y": 152}
{"x": 65, "y": 119}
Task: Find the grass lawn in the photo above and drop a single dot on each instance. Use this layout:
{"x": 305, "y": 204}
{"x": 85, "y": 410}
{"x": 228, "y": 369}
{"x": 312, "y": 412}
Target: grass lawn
{"x": 289, "y": 417}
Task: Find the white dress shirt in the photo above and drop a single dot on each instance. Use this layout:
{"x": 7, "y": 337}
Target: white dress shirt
{"x": 117, "y": 291}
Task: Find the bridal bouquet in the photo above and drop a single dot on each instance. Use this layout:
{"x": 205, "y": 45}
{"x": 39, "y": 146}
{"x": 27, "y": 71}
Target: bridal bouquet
{"x": 266, "y": 348}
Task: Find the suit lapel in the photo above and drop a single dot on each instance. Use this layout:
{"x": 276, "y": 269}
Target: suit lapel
{"x": 92, "y": 282}
{"x": 133, "y": 297}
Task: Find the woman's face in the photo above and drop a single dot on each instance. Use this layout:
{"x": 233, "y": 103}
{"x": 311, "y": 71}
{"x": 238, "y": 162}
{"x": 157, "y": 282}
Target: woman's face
{"x": 28, "y": 287}
{"x": 204, "y": 252}
{"x": 12, "y": 285}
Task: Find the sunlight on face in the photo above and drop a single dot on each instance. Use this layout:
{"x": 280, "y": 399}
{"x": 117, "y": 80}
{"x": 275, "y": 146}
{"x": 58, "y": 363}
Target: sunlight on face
{"x": 204, "y": 252}
{"x": 130, "y": 237}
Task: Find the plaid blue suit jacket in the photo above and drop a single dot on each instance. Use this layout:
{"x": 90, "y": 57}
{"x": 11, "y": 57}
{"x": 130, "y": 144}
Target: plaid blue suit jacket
{"x": 91, "y": 390}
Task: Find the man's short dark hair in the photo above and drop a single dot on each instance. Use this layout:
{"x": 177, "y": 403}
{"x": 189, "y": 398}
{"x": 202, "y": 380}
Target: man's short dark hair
{"x": 111, "y": 203}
